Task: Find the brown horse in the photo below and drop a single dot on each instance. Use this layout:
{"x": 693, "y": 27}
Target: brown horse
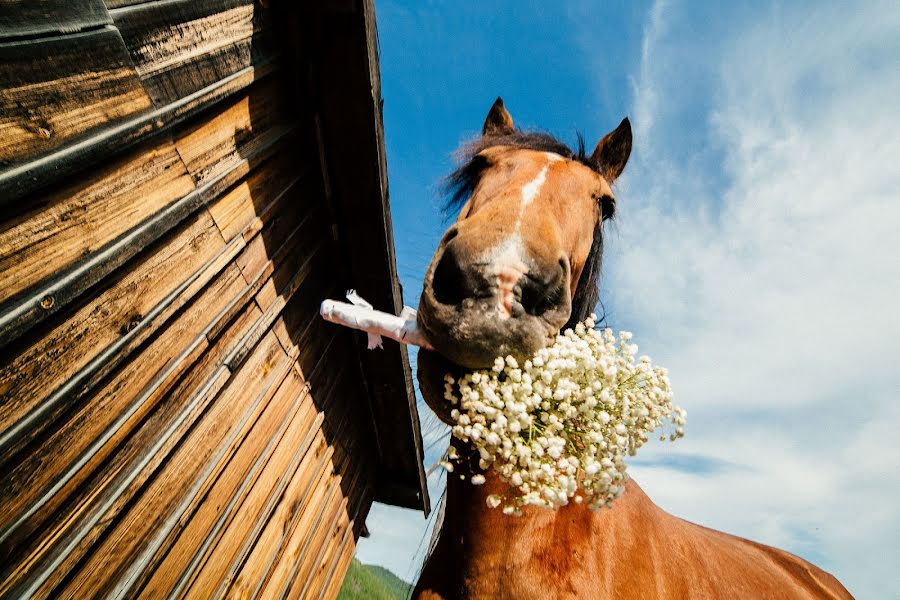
{"x": 521, "y": 262}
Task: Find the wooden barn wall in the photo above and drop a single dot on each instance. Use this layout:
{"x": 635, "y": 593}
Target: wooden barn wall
{"x": 175, "y": 419}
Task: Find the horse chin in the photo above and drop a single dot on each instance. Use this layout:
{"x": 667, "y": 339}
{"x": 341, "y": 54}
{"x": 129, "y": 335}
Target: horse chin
{"x": 431, "y": 369}
{"x": 450, "y": 356}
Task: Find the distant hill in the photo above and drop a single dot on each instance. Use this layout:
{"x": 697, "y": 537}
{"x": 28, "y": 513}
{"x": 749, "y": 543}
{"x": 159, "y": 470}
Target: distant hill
{"x": 371, "y": 582}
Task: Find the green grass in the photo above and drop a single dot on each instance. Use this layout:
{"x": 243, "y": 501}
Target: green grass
{"x": 371, "y": 582}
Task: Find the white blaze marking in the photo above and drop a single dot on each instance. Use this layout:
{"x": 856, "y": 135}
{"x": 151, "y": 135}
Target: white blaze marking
{"x": 507, "y": 257}
{"x": 531, "y": 189}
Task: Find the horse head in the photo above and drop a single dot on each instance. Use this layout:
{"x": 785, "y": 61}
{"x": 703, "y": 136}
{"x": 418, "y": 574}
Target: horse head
{"x": 522, "y": 259}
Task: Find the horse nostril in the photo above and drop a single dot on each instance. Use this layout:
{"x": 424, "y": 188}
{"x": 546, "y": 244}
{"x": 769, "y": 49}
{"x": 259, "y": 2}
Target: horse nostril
{"x": 538, "y": 296}
{"x": 449, "y": 235}
{"x": 448, "y": 282}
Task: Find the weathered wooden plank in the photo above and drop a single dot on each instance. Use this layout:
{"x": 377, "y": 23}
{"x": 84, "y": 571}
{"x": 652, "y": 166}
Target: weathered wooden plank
{"x": 27, "y": 18}
{"x": 266, "y": 459}
{"x": 50, "y": 360}
{"x": 214, "y": 483}
{"x": 40, "y": 562}
{"x": 210, "y": 330}
{"x": 37, "y": 485}
{"x": 216, "y": 143}
{"x": 183, "y": 475}
{"x": 278, "y": 489}
{"x": 54, "y": 90}
{"x": 306, "y": 494}
{"x": 340, "y": 544}
{"x": 337, "y": 534}
{"x": 286, "y": 552}
{"x": 26, "y": 177}
{"x": 76, "y": 219}
{"x": 47, "y": 298}
{"x": 251, "y": 565}
{"x": 113, "y": 4}
{"x": 336, "y": 578}
{"x": 332, "y": 521}
{"x": 246, "y": 205}
{"x": 181, "y": 46}
{"x": 47, "y": 561}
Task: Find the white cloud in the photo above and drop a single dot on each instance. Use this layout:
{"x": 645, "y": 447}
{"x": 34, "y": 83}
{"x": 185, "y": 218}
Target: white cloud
{"x": 757, "y": 257}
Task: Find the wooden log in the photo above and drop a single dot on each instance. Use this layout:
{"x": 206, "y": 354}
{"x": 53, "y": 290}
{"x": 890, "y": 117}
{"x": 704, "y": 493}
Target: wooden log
{"x": 54, "y": 90}
{"x": 26, "y": 18}
{"x": 182, "y": 46}
{"x": 75, "y": 220}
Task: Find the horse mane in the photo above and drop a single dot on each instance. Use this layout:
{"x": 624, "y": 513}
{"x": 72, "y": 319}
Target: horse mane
{"x": 458, "y": 186}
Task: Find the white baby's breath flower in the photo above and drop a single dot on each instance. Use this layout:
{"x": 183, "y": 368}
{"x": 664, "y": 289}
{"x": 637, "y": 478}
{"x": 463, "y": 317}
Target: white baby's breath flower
{"x": 563, "y": 421}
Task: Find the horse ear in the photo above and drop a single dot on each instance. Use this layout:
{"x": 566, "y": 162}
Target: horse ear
{"x": 498, "y": 121}
{"x": 613, "y": 150}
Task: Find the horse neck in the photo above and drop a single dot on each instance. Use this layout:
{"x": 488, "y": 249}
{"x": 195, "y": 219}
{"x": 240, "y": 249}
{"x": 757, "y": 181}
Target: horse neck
{"x": 480, "y": 547}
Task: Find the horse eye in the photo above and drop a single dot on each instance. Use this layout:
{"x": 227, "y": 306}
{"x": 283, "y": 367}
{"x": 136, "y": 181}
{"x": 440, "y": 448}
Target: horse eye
{"x": 607, "y": 206}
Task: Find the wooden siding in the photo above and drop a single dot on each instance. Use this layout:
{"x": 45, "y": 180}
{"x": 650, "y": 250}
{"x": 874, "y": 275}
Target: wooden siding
{"x": 175, "y": 418}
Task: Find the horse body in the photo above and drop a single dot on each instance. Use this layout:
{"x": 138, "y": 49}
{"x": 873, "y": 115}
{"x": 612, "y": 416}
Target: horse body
{"x": 632, "y": 550}
{"x": 521, "y": 262}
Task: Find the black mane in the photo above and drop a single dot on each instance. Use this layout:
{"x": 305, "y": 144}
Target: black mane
{"x": 459, "y": 185}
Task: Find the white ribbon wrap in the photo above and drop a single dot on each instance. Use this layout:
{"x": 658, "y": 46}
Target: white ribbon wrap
{"x": 359, "y": 314}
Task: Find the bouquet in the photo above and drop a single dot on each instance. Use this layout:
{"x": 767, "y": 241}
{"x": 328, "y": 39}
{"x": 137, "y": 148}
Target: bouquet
{"x": 560, "y": 423}
{"x": 564, "y": 420}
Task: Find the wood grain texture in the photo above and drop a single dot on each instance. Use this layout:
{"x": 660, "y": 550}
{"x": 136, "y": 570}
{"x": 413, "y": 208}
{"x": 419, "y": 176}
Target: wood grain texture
{"x": 23, "y": 178}
{"x": 113, "y": 4}
{"x": 210, "y": 537}
{"x": 246, "y": 205}
{"x": 186, "y": 476}
{"x": 221, "y": 297}
{"x": 26, "y": 18}
{"x": 42, "y": 563}
{"x": 183, "y": 46}
{"x": 47, "y": 476}
{"x": 224, "y": 139}
{"x": 31, "y": 372}
{"x": 333, "y": 587}
{"x": 76, "y": 219}
{"x": 54, "y": 90}
{"x": 53, "y": 294}
{"x": 305, "y": 496}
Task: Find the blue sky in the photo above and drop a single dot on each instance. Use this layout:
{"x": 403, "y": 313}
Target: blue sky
{"x": 755, "y": 253}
